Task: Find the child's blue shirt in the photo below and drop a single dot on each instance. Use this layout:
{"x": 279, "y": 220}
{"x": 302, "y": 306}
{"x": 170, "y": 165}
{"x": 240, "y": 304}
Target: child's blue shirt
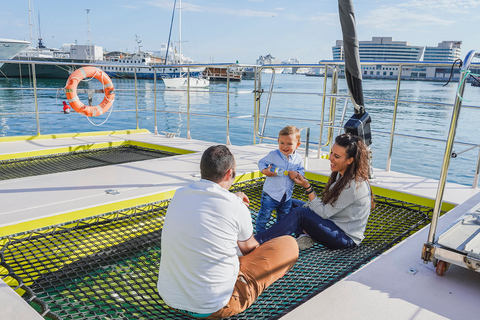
{"x": 277, "y": 186}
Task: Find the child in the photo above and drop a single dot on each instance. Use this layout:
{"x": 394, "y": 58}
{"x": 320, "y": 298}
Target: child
{"x": 278, "y": 187}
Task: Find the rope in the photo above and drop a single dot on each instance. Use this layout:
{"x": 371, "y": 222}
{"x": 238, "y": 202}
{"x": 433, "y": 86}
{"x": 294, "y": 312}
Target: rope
{"x": 467, "y": 73}
{"x": 451, "y": 69}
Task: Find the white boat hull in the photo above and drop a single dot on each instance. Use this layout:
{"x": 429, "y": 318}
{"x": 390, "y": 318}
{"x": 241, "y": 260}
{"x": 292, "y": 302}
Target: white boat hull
{"x": 10, "y": 48}
{"x": 182, "y": 82}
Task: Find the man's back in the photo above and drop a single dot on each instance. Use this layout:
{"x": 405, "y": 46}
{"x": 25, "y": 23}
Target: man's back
{"x": 199, "y": 264}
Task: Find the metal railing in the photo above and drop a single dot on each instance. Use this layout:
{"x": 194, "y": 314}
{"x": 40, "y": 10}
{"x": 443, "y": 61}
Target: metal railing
{"x": 329, "y": 97}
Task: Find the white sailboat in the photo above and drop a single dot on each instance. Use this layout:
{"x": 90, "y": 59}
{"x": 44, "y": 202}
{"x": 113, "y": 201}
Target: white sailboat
{"x": 183, "y": 80}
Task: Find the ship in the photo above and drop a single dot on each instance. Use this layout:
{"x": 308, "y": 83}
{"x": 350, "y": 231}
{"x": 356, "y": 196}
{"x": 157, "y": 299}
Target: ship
{"x": 58, "y": 60}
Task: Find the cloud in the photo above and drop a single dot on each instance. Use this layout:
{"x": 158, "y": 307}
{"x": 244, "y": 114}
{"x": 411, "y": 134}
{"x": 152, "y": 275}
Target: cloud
{"x": 217, "y": 10}
{"x": 442, "y": 6}
{"x": 409, "y": 16}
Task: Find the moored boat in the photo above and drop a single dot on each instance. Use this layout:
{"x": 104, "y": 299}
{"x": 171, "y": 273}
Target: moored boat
{"x": 9, "y": 48}
{"x": 57, "y": 58}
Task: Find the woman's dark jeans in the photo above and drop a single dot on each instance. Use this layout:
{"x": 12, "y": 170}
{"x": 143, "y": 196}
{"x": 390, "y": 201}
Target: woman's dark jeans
{"x": 302, "y": 219}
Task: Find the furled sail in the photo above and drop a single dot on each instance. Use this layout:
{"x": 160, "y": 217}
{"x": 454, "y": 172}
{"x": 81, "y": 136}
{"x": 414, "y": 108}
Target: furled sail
{"x": 359, "y": 123}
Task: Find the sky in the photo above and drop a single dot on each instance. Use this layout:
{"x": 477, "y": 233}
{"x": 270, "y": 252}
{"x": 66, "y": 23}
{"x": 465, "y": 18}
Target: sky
{"x": 225, "y": 31}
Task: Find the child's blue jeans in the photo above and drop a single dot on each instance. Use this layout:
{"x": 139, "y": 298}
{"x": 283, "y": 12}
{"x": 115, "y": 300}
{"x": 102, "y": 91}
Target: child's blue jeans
{"x": 268, "y": 204}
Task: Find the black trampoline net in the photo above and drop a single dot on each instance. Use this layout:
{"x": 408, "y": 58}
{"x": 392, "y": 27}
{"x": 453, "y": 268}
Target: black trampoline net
{"x": 77, "y": 160}
{"x": 106, "y": 268}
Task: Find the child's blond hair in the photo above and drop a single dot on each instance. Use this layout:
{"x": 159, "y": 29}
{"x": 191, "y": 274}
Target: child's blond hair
{"x": 288, "y": 130}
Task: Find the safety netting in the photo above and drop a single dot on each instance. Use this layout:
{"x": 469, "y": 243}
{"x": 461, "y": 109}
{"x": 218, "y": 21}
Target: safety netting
{"x": 77, "y": 160}
{"x": 106, "y": 267}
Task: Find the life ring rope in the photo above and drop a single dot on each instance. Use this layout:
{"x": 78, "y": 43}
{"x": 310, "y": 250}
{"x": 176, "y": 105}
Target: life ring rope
{"x": 87, "y": 74}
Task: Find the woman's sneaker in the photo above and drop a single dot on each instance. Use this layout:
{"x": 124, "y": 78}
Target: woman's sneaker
{"x": 304, "y": 242}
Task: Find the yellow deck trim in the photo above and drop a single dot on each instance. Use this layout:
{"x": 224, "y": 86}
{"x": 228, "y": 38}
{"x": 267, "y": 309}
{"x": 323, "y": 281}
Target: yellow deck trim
{"x": 71, "y": 135}
{"x": 159, "y": 147}
{"x": 92, "y": 146}
{"x": 82, "y": 214}
{"x": 95, "y": 211}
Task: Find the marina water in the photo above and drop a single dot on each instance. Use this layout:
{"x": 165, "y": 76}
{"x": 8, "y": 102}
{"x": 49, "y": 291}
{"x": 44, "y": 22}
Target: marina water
{"x": 208, "y": 120}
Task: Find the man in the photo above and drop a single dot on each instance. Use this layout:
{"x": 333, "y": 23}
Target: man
{"x": 200, "y": 272}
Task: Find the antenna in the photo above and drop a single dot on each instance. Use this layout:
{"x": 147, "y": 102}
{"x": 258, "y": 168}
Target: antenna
{"x": 180, "y": 30}
{"x": 89, "y": 44}
{"x": 30, "y": 18}
{"x": 40, "y": 43}
{"x": 137, "y": 39}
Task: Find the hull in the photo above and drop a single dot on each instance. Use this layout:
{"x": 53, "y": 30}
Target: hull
{"x": 182, "y": 82}
{"x": 10, "y": 48}
{"x": 145, "y": 75}
{"x": 23, "y": 68}
{"x": 220, "y": 74}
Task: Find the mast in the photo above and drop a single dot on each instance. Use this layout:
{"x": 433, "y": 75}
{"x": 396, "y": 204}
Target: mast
{"x": 30, "y": 15}
{"x": 170, "y": 33}
{"x": 180, "y": 30}
{"x": 40, "y": 39}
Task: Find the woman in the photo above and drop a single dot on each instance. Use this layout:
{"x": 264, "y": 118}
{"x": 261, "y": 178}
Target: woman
{"x": 338, "y": 220}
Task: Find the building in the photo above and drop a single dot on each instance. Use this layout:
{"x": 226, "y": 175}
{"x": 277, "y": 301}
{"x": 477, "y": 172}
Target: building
{"x": 445, "y": 51}
{"x": 382, "y": 49}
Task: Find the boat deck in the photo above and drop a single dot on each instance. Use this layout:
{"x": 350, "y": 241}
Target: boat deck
{"x": 395, "y": 285}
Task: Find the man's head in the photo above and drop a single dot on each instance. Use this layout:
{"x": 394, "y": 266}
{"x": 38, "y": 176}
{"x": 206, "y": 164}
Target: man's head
{"x": 288, "y": 140}
{"x": 216, "y": 162}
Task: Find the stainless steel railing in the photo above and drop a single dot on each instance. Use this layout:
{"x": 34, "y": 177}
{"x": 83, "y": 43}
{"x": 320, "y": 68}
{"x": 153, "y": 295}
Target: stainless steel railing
{"x": 329, "y": 97}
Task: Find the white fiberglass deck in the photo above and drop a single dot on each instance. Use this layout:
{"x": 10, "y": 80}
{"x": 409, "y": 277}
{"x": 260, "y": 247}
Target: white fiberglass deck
{"x": 396, "y": 285}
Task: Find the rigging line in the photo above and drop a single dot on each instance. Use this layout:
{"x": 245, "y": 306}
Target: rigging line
{"x": 170, "y": 33}
{"x": 451, "y": 69}
{"x": 475, "y": 77}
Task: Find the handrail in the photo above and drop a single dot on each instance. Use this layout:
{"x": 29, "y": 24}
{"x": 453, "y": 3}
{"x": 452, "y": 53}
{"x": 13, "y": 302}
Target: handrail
{"x": 448, "y": 149}
{"x": 332, "y": 68}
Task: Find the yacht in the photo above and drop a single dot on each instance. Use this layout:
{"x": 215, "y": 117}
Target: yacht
{"x": 10, "y": 48}
{"x": 59, "y": 60}
{"x": 145, "y": 65}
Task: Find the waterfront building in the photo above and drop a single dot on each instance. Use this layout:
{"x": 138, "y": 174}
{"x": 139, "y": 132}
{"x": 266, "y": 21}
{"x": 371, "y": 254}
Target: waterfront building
{"x": 384, "y": 49}
{"x": 445, "y": 51}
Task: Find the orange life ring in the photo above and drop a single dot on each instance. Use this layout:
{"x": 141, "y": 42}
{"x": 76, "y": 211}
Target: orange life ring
{"x": 71, "y": 91}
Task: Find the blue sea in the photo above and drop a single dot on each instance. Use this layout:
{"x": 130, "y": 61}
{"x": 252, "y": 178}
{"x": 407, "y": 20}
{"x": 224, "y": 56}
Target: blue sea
{"x": 297, "y": 100}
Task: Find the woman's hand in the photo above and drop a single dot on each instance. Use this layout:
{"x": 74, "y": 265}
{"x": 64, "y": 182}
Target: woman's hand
{"x": 300, "y": 180}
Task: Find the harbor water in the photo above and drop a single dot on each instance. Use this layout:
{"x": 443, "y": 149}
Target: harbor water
{"x": 418, "y": 147}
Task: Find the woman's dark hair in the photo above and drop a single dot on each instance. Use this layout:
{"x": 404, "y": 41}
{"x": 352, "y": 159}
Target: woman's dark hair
{"x": 355, "y": 148}
{"x": 215, "y": 163}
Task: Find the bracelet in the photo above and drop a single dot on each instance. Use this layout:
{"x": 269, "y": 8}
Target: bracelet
{"x": 309, "y": 190}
